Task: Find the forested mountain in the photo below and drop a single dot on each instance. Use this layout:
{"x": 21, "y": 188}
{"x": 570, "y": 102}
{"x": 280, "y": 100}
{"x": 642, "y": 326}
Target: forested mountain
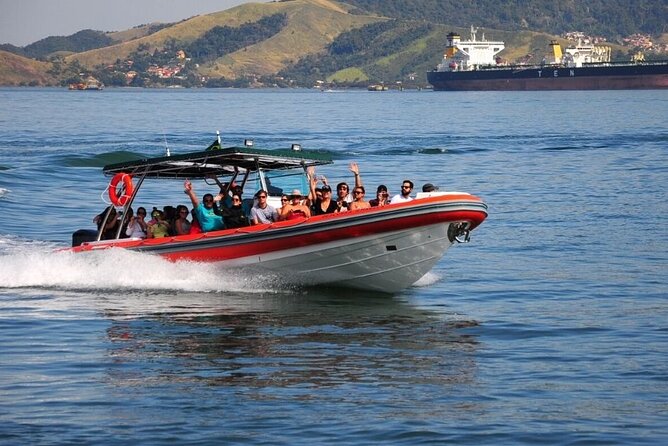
{"x": 81, "y": 41}
{"x": 609, "y": 18}
{"x": 222, "y": 40}
{"x": 309, "y": 42}
{"x": 379, "y": 51}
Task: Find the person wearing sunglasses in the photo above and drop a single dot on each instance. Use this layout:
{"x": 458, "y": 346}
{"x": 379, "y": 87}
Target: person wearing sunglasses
{"x": 157, "y": 226}
{"x": 295, "y": 208}
{"x": 233, "y": 215}
{"x": 137, "y": 227}
{"x": 263, "y": 212}
{"x": 405, "y": 195}
{"x": 284, "y": 202}
{"x": 343, "y": 194}
{"x": 204, "y": 211}
{"x": 358, "y": 199}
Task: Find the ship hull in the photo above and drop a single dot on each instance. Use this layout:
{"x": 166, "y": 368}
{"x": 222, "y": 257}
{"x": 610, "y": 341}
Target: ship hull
{"x": 604, "y": 77}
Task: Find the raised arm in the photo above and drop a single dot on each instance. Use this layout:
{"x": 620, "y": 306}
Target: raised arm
{"x": 218, "y": 205}
{"x": 312, "y": 182}
{"x": 188, "y": 190}
{"x": 356, "y": 171}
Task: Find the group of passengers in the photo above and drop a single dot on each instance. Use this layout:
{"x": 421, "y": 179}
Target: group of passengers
{"x": 170, "y": 221}
{"x": 227, "y": 209}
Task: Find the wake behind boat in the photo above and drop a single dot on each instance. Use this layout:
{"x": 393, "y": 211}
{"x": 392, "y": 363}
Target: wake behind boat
{"x": 383, "y": 249}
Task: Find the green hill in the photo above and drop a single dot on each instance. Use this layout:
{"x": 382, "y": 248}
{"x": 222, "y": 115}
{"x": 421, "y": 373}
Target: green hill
{"x": 310, "y": 26}
{"x": 609, "y": 18}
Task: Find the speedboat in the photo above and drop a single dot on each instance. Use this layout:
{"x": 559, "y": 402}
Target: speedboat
{"x": 383, "y": 249}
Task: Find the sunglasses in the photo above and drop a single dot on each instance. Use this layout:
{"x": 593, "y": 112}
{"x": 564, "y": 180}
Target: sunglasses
{"x": 405, "y": 187}
{"x": 262, "y": 196}
{"x": 358, "y": 192}
{"x": 235, "y": 199}
{"x": 284, "y": 199}
{"x": 184, "y": 212}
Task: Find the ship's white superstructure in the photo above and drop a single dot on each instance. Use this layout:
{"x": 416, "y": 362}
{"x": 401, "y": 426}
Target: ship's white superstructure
{"x": 577, "y": 55}
{"x": 467, "y": 55}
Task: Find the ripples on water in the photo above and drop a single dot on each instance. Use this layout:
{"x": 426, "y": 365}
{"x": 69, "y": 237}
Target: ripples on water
{"x": 549, "y": 327}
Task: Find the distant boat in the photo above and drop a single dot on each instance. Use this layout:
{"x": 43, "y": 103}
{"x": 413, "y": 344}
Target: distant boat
{"x": 93, "y": 84}
{"x": 472, "y": 65}
{"x": 377, "y": 87}
{"x": 90, "y": 83}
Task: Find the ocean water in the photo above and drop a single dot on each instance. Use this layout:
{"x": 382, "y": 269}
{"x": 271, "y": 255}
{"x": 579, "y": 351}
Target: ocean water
{"x": 549, "y": 327}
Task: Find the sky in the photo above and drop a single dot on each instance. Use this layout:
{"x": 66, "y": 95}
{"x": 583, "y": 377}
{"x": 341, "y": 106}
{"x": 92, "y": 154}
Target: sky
{"x": 23, "y": 22}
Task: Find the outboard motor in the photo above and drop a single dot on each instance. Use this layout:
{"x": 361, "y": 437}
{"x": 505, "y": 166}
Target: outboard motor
{"x": 83, "y": 235}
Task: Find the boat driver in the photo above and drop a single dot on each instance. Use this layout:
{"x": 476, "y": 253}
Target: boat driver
{"x": 204, "y": 211}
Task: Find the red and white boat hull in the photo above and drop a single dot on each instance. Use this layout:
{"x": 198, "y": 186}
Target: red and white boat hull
{"x": 382, "y": 249}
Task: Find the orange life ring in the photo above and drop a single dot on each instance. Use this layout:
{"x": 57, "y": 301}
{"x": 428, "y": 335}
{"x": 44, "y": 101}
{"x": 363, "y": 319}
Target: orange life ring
{"x": 126, "y": 190}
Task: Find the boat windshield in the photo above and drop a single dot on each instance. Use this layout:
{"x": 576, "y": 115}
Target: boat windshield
{"x": 282, "y": 182}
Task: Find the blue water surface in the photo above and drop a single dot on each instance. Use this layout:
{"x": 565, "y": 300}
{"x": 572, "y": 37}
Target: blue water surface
{"x": 550, "y": 327}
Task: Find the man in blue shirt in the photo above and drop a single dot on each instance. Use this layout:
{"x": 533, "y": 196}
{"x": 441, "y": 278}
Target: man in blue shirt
{"x": 204, "y": 212}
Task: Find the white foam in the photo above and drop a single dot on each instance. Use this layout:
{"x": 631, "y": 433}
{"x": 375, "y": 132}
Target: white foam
{"x": 25, "y": 263}
{"x": 4, "y": 192}
{"x": 428, "y": 279}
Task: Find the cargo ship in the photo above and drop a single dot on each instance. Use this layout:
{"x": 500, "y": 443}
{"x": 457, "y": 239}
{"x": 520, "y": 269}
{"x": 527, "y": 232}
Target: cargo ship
{"x": 474, "y": 65}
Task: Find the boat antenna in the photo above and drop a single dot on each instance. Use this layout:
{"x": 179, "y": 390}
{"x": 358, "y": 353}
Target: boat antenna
{"x": 474, "y": 31}
{"x": 167, "y": 152}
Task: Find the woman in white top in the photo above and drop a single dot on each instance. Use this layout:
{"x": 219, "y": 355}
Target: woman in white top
{"x": 137, "y": 226}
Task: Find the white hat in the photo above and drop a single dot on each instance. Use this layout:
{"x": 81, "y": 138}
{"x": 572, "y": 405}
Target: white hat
{"x": 296, "y": 193}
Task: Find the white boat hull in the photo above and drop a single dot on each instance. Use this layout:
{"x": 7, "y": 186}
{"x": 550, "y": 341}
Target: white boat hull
{"x": 387, "y": 263}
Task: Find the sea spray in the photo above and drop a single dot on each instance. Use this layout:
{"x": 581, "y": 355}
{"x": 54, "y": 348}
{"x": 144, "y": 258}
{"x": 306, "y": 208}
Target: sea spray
{"x": 26, "y": 263}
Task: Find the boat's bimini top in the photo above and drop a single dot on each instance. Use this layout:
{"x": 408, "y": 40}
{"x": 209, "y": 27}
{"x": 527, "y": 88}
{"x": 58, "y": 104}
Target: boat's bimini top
{"x": 218, "y": 161}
